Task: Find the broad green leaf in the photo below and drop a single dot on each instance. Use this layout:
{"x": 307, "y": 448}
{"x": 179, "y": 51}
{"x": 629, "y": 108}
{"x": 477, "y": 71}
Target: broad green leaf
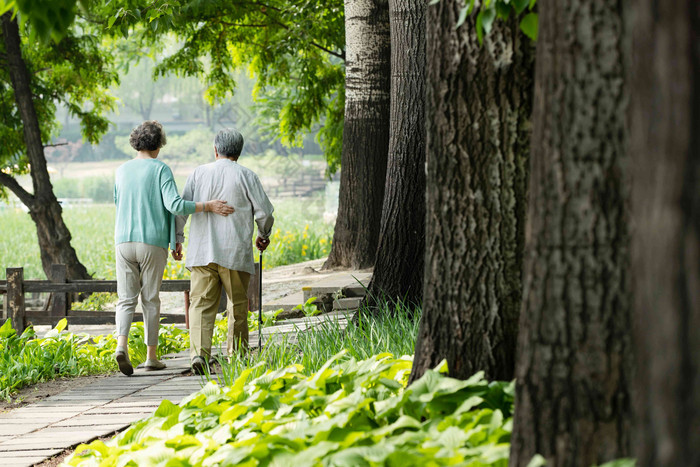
{"x": 166, "y": 409}
{"x": 6, "y": 330}
{"x": 233, "y": 413}
{"x": 182, "y": 441}
{"x": 529, "y": 25}
{"x": 61, "y": 325}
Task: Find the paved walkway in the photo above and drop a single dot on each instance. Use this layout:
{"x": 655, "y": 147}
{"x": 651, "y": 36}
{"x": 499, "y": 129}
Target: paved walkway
{"x": 39, "y": 431}
{"x": 34, "y": 433}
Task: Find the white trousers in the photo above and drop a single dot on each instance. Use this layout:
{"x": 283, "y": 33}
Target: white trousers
{"x": 139, "y": 271}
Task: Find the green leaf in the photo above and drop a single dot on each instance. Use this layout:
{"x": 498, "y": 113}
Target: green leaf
{"x": 502, "y": 10}
{"x": 529, "y": 25}
{"x": 537, "y": 461}
{"x": 489, "y": 15}
{"x": 6, "y": 330}
{"x": 520, "y": 5}
{"x": 166, "y": 409}
{"x": 6, "y": 6}
{"x": 182, "y": 441}
{"x": 480, "y": 26}
{"x": 462, "y": 17}
{"x": 61, "y": 325}
{"x": 532, "y": 4}
{"x": 620, "y": 463}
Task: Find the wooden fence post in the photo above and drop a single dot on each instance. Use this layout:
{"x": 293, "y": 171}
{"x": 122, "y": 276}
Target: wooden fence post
{"x": 60, "y": 302}
{"x": 15, "y": 298}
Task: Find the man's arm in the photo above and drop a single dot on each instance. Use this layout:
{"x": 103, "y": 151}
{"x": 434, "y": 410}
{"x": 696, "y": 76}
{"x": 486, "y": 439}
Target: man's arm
{"x": 262, "y": 209}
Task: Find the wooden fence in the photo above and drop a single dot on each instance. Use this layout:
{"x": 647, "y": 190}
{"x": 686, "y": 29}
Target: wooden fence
{"x": 62, "y": 290}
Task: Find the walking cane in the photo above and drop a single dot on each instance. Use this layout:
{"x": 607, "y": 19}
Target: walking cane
{"x": 260, "y": 322}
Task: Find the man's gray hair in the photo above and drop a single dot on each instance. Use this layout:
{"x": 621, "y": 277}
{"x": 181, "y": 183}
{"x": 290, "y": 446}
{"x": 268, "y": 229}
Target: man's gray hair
{"x": 229, "y": 142}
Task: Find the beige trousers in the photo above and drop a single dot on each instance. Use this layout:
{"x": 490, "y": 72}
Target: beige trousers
{"x": 139, "y": 272}
{"x": 205, "y": 294}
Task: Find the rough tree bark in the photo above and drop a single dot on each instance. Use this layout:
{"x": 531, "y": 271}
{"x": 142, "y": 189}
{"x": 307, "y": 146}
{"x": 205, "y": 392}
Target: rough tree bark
{"x": 365, "y": 134}
{"x": 44, "y": 208}
{"x": 398, "y": 270}
{"x": 479, "y": 100}
{"x": 664, "y": 143}
{"x": 574, "y": 366}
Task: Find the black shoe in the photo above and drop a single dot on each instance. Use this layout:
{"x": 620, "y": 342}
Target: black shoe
{"x": 122, "y": 357}
{"x": 199, "y": 366}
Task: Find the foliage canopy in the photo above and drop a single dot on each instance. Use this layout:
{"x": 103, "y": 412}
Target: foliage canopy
{"x": 295, "y": 50}
{"x": 74, "y": 72}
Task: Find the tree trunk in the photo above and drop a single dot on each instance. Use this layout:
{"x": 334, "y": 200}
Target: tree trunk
{"x": 574, "y": 366}
{"x": 398, "y": 270}
{"x": 54, "y": 237}
{"x": 479, "y": 100}
{"x": 365, "y": 134}
{"x": 664, "y": 140}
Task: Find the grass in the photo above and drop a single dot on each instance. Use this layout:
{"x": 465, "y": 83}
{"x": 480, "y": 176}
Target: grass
{"x": 385, "y": 332}
{"x": 299, "y": 234}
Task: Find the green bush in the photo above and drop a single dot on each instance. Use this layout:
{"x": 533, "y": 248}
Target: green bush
{"x": 348, "y": 413}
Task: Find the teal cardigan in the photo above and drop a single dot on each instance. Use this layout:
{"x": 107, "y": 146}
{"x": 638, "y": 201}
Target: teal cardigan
{"x": 147, "y": 202}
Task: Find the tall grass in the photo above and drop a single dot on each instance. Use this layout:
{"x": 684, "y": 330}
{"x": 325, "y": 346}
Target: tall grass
{"x": 393, "y": 329}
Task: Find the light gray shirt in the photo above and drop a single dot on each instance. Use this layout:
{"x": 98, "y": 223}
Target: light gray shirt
{"x": 226, "y": 241}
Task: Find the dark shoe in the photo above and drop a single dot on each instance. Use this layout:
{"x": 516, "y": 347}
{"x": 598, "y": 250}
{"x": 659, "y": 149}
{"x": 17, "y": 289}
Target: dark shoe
{"x": 199, "y": 366}
{"x": 154, "y": 365}
{"x": 122, "y": 357}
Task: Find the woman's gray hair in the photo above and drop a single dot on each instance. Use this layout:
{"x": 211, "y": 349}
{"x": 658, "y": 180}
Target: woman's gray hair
{"x": 229, "y": 142}
{"x": 148, "y": 136}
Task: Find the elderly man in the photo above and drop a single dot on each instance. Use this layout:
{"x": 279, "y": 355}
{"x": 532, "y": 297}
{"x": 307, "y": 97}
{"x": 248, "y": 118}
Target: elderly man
{"x": 220, "y": 251}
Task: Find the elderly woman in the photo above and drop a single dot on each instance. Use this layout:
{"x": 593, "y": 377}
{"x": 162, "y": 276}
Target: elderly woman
{"x": 147, "y": 201}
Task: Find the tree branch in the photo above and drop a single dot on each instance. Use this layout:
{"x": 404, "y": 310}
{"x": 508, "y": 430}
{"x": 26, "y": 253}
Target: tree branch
{"x": 340, "y": 55}
{"x": 55, "y": 145}
{"x": 9, "y": 182}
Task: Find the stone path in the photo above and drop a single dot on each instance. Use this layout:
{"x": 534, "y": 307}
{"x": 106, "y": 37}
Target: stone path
{"x": 34, "y": 433}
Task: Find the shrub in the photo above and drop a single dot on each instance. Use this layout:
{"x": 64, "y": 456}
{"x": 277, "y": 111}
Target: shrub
{"x": 348, "y": 413}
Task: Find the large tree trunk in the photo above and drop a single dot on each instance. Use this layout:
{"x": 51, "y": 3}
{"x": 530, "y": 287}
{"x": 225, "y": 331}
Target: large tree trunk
{"x": 365, "y": 134}
{"x": 398, "y": 270}
{"x": 54, "y": 236}
{"x": 574, "y": 366}
{"x": 479, "y": 100}
{"x": 665, "y": 151}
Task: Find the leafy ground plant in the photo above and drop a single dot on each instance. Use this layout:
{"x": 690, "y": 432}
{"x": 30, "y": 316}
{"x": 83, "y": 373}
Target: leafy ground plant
{"x": 348, "y": 413}
{"x": 27, "y": 359}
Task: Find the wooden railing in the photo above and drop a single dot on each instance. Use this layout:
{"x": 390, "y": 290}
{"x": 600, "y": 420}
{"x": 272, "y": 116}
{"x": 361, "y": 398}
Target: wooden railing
{"x": 62, "y": 290}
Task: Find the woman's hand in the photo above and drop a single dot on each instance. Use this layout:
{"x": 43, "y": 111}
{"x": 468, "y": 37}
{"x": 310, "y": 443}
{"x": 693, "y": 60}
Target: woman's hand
{"x": 218, "y": 206}
{"x": 177, "y": 252}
